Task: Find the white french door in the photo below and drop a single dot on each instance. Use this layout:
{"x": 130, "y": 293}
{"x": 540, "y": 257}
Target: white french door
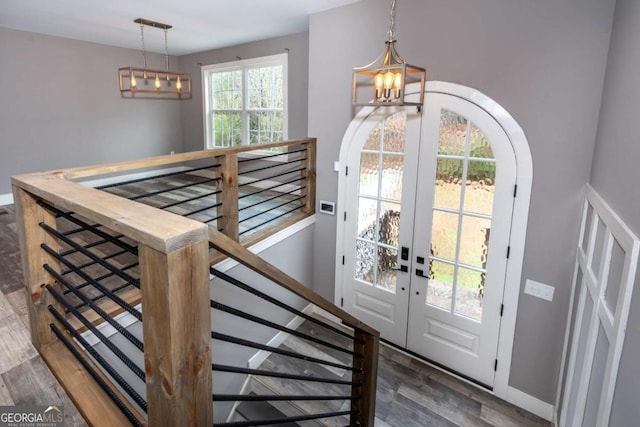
{"x": 380, "y": 216}
{"x": 428, "y": 208}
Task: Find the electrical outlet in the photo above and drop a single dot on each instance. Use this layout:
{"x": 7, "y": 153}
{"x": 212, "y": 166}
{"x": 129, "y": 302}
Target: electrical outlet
{"x": 539, "y": 290}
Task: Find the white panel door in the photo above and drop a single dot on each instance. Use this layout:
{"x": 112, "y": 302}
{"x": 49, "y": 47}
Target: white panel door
{"x": 379, "y": 220}
{"x": 464, "y": 202}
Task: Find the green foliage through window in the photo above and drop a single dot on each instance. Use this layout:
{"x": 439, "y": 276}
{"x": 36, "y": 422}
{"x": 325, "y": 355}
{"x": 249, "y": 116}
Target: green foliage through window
{"x": 246, "y": 102}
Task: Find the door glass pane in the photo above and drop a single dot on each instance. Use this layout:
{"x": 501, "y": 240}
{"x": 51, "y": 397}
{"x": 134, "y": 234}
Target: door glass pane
{"x": 373, "y": 141}
{"x": 380, "y": 181}
{"x": 391, "y": 186}
{"x": 367, "y": 211}
{"x": 453, "y": 133}
{"x": 369, "y": 171}
{"x": 365, "y": 261}
{"x": 448, "y": 184}
{"x": 469, "y": 293}
{"x": 386, "y": 268}
{"x": 444, "y": 233}
{"x": 479, "y": 145}
{"x": 394, "y": 130}
{"x": 389, "y": 224}
{"x": 474, "y": 242}
{"x": 479, "y": 194}
{"x": 440, "y": 286}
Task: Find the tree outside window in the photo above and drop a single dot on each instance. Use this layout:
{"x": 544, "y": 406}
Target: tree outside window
{"x": 245, "y": 101}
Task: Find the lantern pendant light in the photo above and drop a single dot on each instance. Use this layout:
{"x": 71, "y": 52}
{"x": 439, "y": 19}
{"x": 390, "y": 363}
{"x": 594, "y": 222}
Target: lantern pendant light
{"x": 384, "y": 81}
{"x": 135, "y": 82}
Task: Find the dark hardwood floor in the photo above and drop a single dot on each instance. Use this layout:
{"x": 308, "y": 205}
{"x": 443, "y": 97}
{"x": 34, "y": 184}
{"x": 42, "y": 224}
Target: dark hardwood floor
{"x": 410, "y": 392}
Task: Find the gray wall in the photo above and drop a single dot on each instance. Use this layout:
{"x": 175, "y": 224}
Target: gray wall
{"x": 615, "y": 176}
{"x": 61, "y": 107}
{"x": 543, "y": 61}
{"x": 298, "y": 61}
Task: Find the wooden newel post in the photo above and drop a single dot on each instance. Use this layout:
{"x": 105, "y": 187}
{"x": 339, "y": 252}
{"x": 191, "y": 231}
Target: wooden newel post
{"x": 28, "y": 217}
{"x": 366, "y": 405}
{"x": 177, "y": 333}
{"x": 228, "y": 184}
{"x": 310, "y": 178}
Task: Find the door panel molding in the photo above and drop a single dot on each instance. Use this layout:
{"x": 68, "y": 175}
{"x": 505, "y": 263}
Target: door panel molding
{"x": 524, "y": 178}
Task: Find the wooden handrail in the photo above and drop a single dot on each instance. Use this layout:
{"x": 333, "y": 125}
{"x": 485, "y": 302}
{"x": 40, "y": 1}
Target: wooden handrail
{"x": 149, "y": 162}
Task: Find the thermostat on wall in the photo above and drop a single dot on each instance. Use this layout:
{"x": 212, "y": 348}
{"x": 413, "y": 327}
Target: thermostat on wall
{"x": 327, "y": 207}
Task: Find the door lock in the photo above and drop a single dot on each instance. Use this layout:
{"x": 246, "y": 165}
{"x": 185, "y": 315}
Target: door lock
{"x": 404, "y": 253}
{"x": 403, "y": 268}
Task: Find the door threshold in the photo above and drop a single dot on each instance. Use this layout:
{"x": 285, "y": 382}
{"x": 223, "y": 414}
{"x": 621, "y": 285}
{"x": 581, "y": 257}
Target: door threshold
{"x": 438, "y": 366}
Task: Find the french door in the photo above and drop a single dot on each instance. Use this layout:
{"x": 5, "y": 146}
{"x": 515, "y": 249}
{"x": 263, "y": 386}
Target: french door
{"x": 429, "y": 201}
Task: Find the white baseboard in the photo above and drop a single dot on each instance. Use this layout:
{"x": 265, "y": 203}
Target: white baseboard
{"x": 257, "y": 359}
{"x": 244, "y": 390}
{"x": 328, "y": 316}
{"x": 7, "y": 199}
{"x": 532, "y": 404}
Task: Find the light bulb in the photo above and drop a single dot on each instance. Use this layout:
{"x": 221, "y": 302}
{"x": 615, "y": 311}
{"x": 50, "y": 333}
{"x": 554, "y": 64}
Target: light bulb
{"x": 178, "y": 84}
{"x": 397, "y": 84}
{"x": 378, "y": 84}
{"x": 133, "y": 81}
{"x": 388, "y": 80}
{"x": 157, "y": 81}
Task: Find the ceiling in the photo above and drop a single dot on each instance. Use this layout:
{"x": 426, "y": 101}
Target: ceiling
{"x": 198, "y": 25}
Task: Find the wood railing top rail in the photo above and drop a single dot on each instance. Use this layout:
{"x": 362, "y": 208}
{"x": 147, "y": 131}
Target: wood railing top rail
{"x": 148, "y": 162}
{"x": 158, "y": 229}
{"x": 236, "y": 251}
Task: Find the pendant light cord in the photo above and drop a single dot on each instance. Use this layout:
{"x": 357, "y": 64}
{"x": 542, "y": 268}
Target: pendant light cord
{"x": 166, "y": 50}
{"x": 144, "y": 53}
{"x": 392, "y": 21}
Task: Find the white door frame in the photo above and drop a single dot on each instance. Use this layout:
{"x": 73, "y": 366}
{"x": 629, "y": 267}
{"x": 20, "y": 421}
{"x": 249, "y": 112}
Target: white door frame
{"x": 524, "y": 179}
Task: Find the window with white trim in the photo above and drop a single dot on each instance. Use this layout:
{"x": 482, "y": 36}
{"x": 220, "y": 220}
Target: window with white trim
{"x": 245, "y": 101}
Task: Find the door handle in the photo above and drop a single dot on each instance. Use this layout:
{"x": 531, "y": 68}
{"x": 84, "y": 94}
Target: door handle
{"x": 420, "y": 273}
{"x": 403, "y": 268}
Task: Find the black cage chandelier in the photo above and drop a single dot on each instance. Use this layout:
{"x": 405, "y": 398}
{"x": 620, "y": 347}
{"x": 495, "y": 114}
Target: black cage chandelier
{"x": 384, "y": 81}
{"x": 148, "y": 83}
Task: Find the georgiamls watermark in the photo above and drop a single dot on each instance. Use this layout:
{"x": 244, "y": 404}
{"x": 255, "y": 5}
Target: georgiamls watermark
{"x": 32, "y": 416}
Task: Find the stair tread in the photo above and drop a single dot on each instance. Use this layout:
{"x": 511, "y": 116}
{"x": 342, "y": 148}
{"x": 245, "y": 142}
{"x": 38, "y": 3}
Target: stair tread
{"x": 262, "y": 411}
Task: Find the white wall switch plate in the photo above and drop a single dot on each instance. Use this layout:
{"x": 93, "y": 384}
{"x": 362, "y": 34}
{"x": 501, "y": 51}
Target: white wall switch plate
{"x": 539, "y": 290}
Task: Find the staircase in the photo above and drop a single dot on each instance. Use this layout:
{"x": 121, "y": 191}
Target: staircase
{"x": 92, "y": 258}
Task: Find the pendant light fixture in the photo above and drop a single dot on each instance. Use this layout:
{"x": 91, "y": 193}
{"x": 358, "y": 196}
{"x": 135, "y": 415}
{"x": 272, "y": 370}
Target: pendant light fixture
{"x": 148, "y": 83}
{"x": 384, "y": 81}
